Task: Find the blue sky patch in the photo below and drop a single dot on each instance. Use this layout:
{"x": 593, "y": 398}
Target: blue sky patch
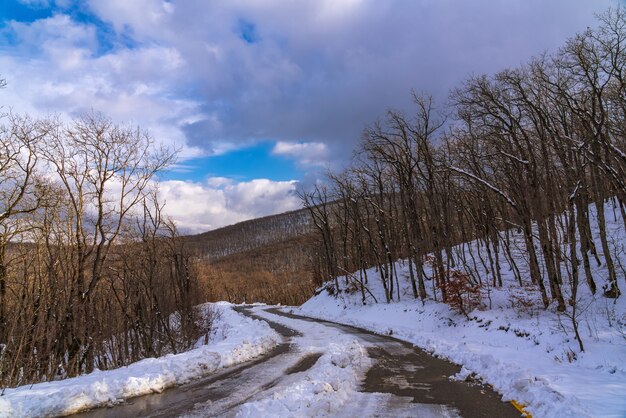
{"x": 256, "y": 161}
{"x": 247, "y": 31}
{"x": 14, "y": 10}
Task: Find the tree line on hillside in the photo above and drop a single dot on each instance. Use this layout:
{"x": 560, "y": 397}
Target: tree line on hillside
{"x": 528, "y": 149}
{"x": 251, "y": 234}
{"x": 92, "y": 275}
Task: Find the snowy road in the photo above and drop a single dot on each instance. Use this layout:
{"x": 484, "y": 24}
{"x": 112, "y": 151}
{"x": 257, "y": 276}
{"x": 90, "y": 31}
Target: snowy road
{"x": 324, "y": 369}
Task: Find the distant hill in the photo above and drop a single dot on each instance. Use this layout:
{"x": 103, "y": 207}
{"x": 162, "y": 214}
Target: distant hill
{"x": 251, "y": 234}
{"x": 265, "y": 259}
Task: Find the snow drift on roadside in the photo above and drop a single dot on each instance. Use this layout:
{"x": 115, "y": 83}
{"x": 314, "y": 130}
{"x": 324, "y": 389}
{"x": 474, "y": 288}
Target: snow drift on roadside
{"x": 235, "y": 339}
{"x": 323, "y": 389}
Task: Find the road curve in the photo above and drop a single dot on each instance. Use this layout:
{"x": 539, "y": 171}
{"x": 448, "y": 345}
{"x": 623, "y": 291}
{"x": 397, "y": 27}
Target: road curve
{"x": 416, "y": 382}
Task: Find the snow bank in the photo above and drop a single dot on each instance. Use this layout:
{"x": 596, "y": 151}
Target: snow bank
{"x": 526, "y": 353}
{"x": 321, "y": 391}
{"x": 235, "y": 339}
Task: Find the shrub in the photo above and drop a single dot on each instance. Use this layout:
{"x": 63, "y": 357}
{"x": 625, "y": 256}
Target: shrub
{"x": 463, "y": 295}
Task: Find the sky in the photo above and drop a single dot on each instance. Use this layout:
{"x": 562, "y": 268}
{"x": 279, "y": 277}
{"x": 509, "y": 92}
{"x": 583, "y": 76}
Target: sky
{"x": 260, "y": 96}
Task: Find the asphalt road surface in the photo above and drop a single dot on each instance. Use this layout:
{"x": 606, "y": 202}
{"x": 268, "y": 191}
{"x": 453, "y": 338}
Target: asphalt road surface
{"x": 417, "y": 383}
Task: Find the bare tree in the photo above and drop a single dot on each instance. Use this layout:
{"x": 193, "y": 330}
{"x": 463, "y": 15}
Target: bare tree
{"x": 104, "y": 170}
{"x": 21, "y": 191}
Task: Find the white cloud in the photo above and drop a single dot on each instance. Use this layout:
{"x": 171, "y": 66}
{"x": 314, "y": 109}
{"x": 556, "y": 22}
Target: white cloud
{"x": 131, "y": 85}
{"x": 307, "y": 154}
{"x": 54, "y": 33}
{"x": 143, "y": 17}
{"x": 202, "y": 206}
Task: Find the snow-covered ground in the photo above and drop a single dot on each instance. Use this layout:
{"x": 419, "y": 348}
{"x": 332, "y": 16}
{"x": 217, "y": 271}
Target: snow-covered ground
{"x": 235, "y": 339}
{"x": 528, "y": 354}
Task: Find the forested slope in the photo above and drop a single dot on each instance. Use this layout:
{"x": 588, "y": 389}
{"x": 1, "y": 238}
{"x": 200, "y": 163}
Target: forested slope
{"x": 261, "y": 260}
{"x": 251, "y": 234}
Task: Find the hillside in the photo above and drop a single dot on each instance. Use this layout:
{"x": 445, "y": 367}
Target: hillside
{"x": 248, "y": 235}
{"x": 260, "y": 260}
{"x": 501, "y": 335}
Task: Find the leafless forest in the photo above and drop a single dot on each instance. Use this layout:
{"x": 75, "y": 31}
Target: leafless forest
{"x": 93, "y": 275}
{"x": 528, "y": 150}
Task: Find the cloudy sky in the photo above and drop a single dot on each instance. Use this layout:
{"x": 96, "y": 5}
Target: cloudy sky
{"x": 260, "y": 95}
